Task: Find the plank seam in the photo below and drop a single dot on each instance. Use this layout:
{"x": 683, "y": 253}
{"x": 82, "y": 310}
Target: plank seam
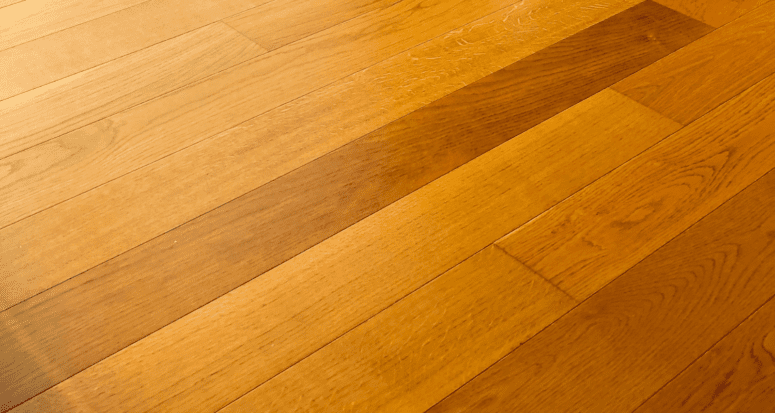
{"x": 494, "y": 244}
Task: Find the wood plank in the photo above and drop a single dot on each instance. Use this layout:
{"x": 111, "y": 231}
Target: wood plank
{"x": 78, "y": 48}
{"x": 599, "y": 233}
{"x": 696, "y": 79}
{"x": 281, "y": 22}
{"x": 613, "y": 351}
{"x": 69, "y": 238}
{"x": 304, "y": 303}
{"x": 440, "y": 336}
{"x": 71, "y": 164}
{"x": 713, "y": 12}
{"x": 31, "y": 19}
{"x": 736, "y": 375}
{"x": 89, "y": 96}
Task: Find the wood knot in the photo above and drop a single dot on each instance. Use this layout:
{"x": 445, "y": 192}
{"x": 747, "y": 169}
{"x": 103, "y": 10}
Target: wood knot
{"x": 769, "y": 343}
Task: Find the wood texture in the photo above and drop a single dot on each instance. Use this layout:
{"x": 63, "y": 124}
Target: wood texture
{"x": 736, "y": 375}
{"x": 78, "y": 48}
{"x": 71, "y": 164}
{"x": 697, "y": 78}
{"x": 713, "y": 12}
{"x": 40, "y": 251}
{"x": 281, "y": 22}
{"x": 89, "y": 96}
{"x": 591, "y": 238}
{"x": 306, "y": 302}
{"x": 408, "y": 357}
{"x": 30, "y": 19}
{"x": 613, "y": 351}
{"x": 4, "y": 3}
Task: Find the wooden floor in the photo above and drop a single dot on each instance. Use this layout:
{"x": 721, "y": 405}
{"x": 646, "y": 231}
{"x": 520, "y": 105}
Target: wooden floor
{"x": 387, "y": 206}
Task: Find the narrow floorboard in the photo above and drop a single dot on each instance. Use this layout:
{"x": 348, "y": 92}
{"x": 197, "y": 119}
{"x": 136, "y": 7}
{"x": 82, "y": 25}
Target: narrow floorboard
{"x": 281, "y": 22}
{"x": 713, "y": 12}
{"x": 624, "y": 343}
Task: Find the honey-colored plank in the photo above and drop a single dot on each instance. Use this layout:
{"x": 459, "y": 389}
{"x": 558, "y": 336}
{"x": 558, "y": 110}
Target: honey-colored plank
{"x": 301, "y": 305}
{"x": 440, "y": 337}
{"x": 69, "y": 238}
{"x": 736, "y": 375}
{"x": 713, "y": 12}
{"x": 710, "y": 71}
{"x": 624, "y": 343}
{"x": 105, "y": 90}
{"x": 67, "y": 52}
{"x": 30, "y": 19}
{"x": 597, "y": 234}
{"x": 71, "y": 164}
{"x": 281, "y": 22}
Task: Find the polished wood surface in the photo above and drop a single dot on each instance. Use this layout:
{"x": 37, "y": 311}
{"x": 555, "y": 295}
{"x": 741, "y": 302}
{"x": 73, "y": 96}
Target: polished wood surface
{"x": 66, "y": 52}
{"x": 135, "y": 208}
{"x": 702, "y": 70}
{"x": 584, "y": 243}
{"x": 737, "y": 374}
{"x": 405, "y": 205}
{"x": 627, "y": 341}
{"x": 368, "y": 266}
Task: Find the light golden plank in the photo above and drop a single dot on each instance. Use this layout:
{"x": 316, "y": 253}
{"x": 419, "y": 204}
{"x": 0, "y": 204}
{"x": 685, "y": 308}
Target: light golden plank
{"x": 413, "y": 354}
{"x": 710, "y": 71}
{"x": 608, "y": 227}
{"x": 281, "y": 22}
{"x": 30, "y": 19}
{"x": 78, "y": 48}
{"x": 111, "y": 219}
{"x": 221, "y": 351}
{"x": 105, "y": 90}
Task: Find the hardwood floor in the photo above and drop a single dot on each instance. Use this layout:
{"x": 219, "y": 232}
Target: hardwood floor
{"x": 404, "y": 205}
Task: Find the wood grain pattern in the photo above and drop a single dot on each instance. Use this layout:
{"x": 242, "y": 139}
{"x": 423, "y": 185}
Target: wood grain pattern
{"x": 71, "y": 164}
{"x": 696, "y": 79}
{"x": 4, "y": 3}
{"x": 30, "y": 19}
{"x": 40, "y": 251}
{"x": 413, "y": 354}
{"x": 713, "y": 12}
{"x": 78, "y": 48}
{"x": 591, "y": 238}
{"x": 613, "y": 351}
{"x": 304, "y": 303}
{"x": 281, "y": 22}
{"x": 89, "y": 96}
{"x": 736, "y": 375}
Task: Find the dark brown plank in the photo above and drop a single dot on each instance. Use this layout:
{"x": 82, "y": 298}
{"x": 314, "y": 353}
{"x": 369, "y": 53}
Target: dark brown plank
{"x": 89, "y": 317}
{"x": 736, "y": 375}
{"x": 621, "y": 345}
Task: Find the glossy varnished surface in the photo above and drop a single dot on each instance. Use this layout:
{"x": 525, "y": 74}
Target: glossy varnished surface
{"x": 405, "y": 205}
